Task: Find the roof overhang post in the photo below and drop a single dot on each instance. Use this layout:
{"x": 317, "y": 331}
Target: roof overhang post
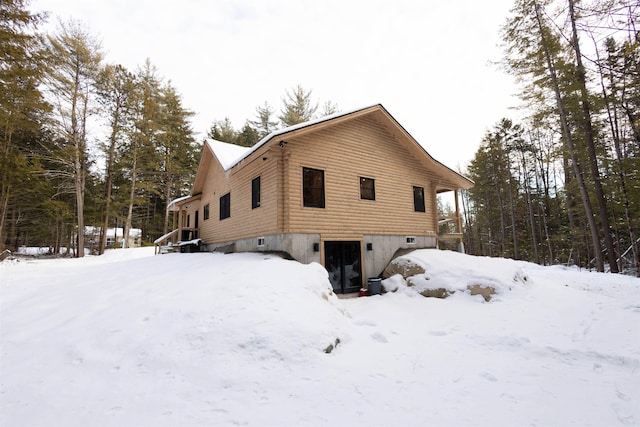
{"x": 174, "y": 220}
{"x": 180, "y": 222}
{"x": 458, "y": 216}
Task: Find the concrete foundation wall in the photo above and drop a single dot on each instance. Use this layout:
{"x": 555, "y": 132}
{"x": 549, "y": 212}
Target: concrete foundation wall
{"x": 384, "y": 247}
{"x": 301, "y": 247}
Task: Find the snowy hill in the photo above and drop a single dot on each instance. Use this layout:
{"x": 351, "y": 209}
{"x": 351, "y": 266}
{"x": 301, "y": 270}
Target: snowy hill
{"x": 132, "y": 339}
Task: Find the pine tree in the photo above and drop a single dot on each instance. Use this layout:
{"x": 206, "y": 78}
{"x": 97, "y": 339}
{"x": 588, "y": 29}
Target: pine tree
{"x": 23, "y": 110}
{"x": 77, "y": 60}
{"x": 297, "y": 107}
{"x": 494, "y": 192}
{"x": 178, "y": 149}
{"x": 620, "y": 78}
{"x": 264, "y": 123}
{"x": 222, "y": 130}
{"x": 329, "y": 108}
{"x": 590, "y": 139}
{"x": 535, "y": 52}
{"x": 115, "y": 93}
{"x": 247, "y": 136}
{"x": 140, "y": 160}
{"x": 22, "y": 113}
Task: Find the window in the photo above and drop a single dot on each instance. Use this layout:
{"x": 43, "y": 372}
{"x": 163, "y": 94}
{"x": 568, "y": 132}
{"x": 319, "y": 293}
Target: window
{"x": 418, "y": 199}
{"x": 205, "y": 212}
{"x": 260, "y": 242}
{"x": 367, "y": 188}
{"x": 255, "y": 193}
{"x": 313, "y": 188}
{"x": 225, "y": 206}
{"x": 411, "y": 240}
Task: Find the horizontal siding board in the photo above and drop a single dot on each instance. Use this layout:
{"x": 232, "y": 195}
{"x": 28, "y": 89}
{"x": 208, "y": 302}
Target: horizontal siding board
{"x": 244, "y": 221}
{"x": 346, "y": 152}
{"x": 365, "y": 146}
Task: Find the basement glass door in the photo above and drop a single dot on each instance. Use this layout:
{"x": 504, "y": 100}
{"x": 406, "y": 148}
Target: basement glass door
{"x": 342, "y": 261}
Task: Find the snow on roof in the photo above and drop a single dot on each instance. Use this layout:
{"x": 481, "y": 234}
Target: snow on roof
{"x": 230, "y": 155}
{"x": 226, "y": 151}
{"x": 178, "y": 200}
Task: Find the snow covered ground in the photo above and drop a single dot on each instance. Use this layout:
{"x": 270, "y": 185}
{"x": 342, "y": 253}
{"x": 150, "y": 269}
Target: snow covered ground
{"x": 132, "y": 339}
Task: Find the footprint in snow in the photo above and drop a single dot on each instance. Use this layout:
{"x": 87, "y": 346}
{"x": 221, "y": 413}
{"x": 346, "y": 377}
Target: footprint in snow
{"x": 365, "y": 322}
{"x": 377, "y": 336}
{"x": 115, "y": 410}
{"x": 488, "y": 376}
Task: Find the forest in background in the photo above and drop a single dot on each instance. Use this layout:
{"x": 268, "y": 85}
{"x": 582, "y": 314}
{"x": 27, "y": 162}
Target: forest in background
{"x": 563, "y": 186}
{"x": 560, "y": 186}
{"x": 60, "y": 171}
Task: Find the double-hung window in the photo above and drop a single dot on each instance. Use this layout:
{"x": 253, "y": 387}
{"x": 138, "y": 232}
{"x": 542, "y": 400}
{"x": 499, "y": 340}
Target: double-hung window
{"x": 312, "y": 188}
{"x": 225, "y": 206}
{"x": 367, "y": 188}
{"x": 418, "y": 199}
{"x": 255, "y": 193}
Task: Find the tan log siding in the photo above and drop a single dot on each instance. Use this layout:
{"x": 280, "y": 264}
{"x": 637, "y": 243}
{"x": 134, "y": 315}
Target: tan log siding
{"x": 244, "y": 221}
{"x": 346, "y": 152}
{"x": 362, "y": 147}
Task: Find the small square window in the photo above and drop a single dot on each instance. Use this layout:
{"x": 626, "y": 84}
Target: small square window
{"x": 411, "y": 240}
{"x": 260, "y": 241}
{"x": 367, "y": 188}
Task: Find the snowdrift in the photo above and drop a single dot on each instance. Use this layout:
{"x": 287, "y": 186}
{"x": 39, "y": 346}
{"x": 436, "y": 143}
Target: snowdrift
{"x": 132, "y": 339}
{"x": 433, "y": 272}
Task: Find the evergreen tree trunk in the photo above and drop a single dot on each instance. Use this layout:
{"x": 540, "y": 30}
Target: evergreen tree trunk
{"x": 542, "y": 174}
{"x": 132, "y": 194}
{"x": 116, "y": 92}
{"x": 613, "y": 120}
{"x": 593, "y": 228}
{"x": 514, "y": 232}
{"x": 4, "y": 199}
{"x": 78, "y": 161}
{"x": 108, "y": 188}
{"x": 78, "y": 57}
{"x": 5, "y": 186}
{"x": 503, "y": 227}
{"x": 591, "y": 147}
{"x": 534, "y": 238}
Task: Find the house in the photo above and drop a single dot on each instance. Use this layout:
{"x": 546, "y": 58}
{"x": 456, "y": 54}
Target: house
{"x": 115, "y": 237}
{"x": 347, "y": 191}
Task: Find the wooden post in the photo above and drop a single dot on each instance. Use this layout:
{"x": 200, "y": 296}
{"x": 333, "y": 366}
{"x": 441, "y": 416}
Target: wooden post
{"x": 180, "y": 221}
{"x": 458, "y": 217}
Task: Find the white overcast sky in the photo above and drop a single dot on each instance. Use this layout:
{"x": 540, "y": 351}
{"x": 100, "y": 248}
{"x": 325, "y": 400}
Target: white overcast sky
{"x": 428, "y": 62}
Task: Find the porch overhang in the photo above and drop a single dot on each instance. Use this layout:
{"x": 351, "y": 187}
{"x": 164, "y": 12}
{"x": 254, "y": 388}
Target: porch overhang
{"x": 182, "y": 202}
